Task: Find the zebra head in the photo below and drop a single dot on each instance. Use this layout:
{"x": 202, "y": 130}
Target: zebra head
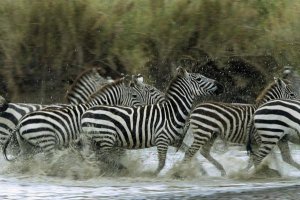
{"x": 278, "y": 89}
{"x": 147, "y": 94}
{"x": 118, "y": 92}
{"x": 130, "y": 96}
{"x": 199, "y": 84}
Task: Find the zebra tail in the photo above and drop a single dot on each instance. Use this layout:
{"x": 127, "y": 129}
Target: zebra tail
{"x": 11, "y": 138}
{"x": 249, "y": 148}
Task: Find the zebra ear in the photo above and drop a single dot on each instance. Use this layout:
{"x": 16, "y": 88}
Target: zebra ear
{"x": 276, "y": 80}
{"x": 279, "y": 82}
{"x": 138, "y": 79}
{"x": 181, "y": 72}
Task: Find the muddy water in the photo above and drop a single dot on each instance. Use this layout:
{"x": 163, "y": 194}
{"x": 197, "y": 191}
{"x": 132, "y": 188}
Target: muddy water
{"x": 70, "y": 177}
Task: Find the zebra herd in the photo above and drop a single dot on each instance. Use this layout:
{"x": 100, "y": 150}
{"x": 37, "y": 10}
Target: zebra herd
{"x": 129, "y": 114}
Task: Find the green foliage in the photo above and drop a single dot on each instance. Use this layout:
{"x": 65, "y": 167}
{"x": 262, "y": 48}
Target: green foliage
{"x": 75, "y": 32}
{"x": 126, "y": 34}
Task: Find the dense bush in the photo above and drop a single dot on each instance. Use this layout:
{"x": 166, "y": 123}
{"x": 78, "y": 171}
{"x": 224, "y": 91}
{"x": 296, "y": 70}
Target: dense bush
{"x": 43, "y": 43}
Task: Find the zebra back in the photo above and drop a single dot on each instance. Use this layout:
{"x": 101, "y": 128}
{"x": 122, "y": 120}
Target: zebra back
{"x": 84, "y": 85}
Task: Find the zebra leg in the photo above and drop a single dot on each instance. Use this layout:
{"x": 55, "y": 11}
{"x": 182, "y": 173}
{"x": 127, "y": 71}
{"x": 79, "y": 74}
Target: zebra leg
{"x": 286, "y": 153}
{"x": 205, "y": 151}
{"x": 268, "y": 142}
{"x": 162, "y": 148}
{"x": 200, "y": 139}
{"x": 118, "y": 153}
{"x": 107, "y": 155}
{"x": 26, "y": 149}
{"x": 251, "y": 155}
{"x": 104, "y": 146}
{"x": 249, "y": 164}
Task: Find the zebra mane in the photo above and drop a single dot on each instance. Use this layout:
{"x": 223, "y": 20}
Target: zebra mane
{"x": 272, "y": 84}
{"x": 107, "y": 86}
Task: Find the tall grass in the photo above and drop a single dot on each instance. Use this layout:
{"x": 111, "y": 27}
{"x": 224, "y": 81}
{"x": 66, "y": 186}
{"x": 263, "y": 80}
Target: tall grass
{"x": 61, "y": 37}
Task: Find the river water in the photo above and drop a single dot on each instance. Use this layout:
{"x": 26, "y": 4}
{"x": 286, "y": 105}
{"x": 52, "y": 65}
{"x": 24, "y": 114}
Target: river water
{"x": 70, "y": 177}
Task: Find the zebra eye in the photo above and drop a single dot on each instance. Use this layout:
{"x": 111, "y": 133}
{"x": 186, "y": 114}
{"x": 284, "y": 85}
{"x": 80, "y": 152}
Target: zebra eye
{"x": 198, "y": 79}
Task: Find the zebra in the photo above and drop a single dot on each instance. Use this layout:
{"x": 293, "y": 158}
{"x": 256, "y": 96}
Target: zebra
{"x": 85, "y": 84}
{"x": 228, "y": 121}
{"x": 52, "y": 128}
{"x": 147, "y": 126}
{"x": 277, "y": 122}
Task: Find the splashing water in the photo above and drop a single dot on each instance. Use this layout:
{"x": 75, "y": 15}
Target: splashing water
{"x": 69, "y": 175}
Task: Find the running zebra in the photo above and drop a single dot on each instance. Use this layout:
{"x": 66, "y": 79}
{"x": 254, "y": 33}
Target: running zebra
{"x": 152, "y": 125}
{"x": 277, "y": 122}
{"x": 229, "y": 121}
{"x": 10, "y": 113}
{"x": 52, "y": 128}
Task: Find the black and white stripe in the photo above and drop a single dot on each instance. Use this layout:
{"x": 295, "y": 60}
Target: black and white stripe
{"x": 277, "y": 122}
{"x": 11, "y": 116}
{"x": 152, "y": 125}
{"x": 87, "y": 83}
{"x": 148, "y": 93}
{"x": 52, "y": 128}
{"x": 228, "y": 121}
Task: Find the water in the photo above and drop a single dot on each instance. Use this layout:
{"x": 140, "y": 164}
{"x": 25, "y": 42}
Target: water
{"x": 69, "y": 177}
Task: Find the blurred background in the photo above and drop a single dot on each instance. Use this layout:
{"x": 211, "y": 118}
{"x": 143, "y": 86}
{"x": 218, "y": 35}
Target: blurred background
{"x": 44, "y": 45}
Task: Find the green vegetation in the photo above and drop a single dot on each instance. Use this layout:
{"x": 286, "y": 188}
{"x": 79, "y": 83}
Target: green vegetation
{"x": 62, "y": 36}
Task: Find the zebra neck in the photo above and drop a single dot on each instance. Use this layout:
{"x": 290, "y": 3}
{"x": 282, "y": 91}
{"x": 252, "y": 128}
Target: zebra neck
{"x": 102, "y": 101}
{"x": 266, "y": 99}
{"x": 110, "y": 96}
{"x": 179, "y": 102}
